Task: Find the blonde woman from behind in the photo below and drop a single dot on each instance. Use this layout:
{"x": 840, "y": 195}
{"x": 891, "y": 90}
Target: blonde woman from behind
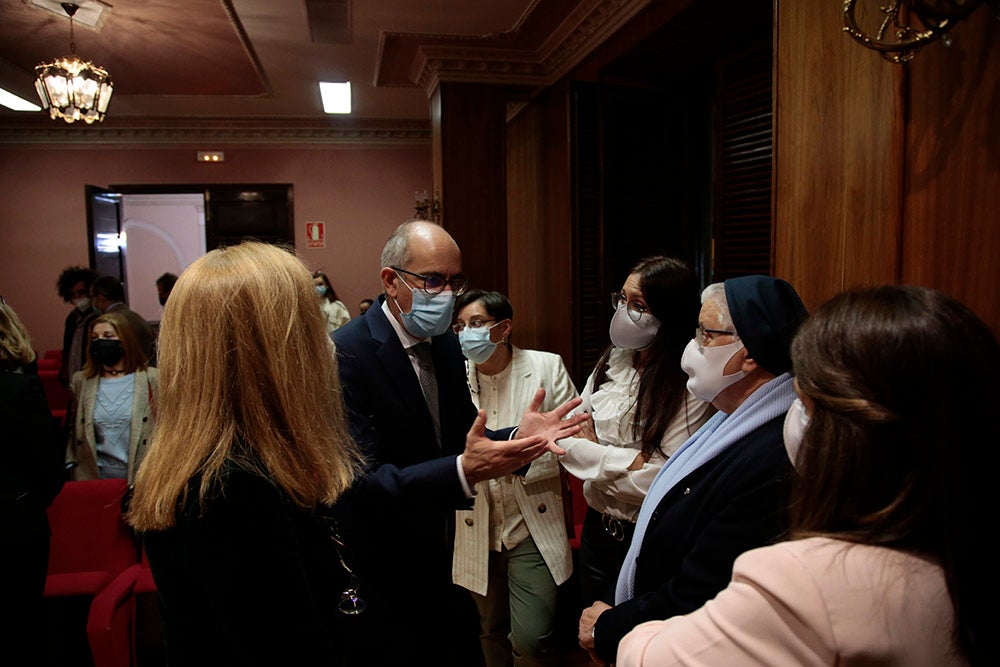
{"x": 250, "y": 452}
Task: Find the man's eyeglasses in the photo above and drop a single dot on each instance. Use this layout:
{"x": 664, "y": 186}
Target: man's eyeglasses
{"x": 435, "y": 284}
{"x": 634, "y": 309}
{"x": 473, "y": 324}
{"x": 705, "y": 336}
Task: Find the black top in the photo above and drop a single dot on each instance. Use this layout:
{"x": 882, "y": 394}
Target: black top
{"x": 247, "y": 579}
{"x": 733, "y": 503}
{"x": 31, "y": 468}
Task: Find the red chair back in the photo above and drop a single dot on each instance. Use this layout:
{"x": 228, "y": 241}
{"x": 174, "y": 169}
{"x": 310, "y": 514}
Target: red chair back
{"x": 55, "y": 392}
{"x": 579, "y": 507}
{"x": 91, "y": 543}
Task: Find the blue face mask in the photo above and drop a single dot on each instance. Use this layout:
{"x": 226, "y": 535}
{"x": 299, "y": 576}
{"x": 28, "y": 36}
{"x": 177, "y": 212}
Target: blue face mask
{"x": 430, "y": 314}
{"x": 476, "y": 344}
{"x": 321, "y": 290}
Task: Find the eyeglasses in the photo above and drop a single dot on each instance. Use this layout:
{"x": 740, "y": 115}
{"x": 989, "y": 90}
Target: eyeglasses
{"x": 705, "y": 336}
{"x": 634, "y": 309}
{"x": 435, "y": 284}
{"x": 473, "y": 324}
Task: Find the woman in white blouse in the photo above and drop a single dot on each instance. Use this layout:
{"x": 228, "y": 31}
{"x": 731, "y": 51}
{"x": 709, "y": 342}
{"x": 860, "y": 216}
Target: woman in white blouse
{"x": 891, "y": 557}
{"x": 333, "y": 308}
{"x": 641, "y": 412}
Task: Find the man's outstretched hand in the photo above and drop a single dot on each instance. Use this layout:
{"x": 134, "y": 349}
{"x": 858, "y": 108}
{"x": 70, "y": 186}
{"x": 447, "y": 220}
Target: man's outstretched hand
{"x": 552, "y": 425}
{"x": 485, "y": 459}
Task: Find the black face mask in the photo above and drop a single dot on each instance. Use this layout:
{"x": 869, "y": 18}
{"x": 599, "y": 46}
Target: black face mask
{"x": 107, "y": 351}
{"x": 163, "y": 300}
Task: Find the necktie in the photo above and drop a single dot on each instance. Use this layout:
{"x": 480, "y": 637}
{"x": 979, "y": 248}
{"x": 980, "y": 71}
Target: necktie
{"x": 428, "y": 384}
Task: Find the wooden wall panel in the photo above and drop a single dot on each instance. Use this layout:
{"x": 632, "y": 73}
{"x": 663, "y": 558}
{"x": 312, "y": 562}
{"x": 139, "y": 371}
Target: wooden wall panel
{"x": 951, "y": 238}
{"x": 539, "y": 230}
{"x": 468, "y": 123}
{"x": 838, "y": 143}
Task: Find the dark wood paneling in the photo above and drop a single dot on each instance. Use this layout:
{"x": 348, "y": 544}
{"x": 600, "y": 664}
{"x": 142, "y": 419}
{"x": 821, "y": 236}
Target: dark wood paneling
{"x": 837, "y": 159}
{"x": 469, "y": 129}
{"x": 539, "y": 228}
{"x": 951, "y": 236}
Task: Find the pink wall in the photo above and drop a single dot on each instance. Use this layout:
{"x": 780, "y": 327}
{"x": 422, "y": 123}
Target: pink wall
{"x": 361, "y": 194}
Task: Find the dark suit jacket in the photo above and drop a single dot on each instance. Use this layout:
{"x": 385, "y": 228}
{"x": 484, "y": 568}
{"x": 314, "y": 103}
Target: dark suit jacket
{"x": 397, "y": 519}
{"x": 735, "y": 502}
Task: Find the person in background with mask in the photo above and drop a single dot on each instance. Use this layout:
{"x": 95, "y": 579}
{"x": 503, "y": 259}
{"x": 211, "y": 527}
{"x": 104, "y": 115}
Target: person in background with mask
{"x": 107, "y": 293}
{"x": 73, "y": 286}
{"x": 640, "y": 411}
{"x": 112, "y": 403}
{"x": 425, "y": 449}
{"x": 511, "y": 548}
{"x": 890, "y": 555}
{"x": 725, "y": 491}
{"x": 334, "y": 310}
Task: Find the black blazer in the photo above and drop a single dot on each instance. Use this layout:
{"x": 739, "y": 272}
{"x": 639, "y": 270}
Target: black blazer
{"x": 247, "y": 578}
{"x": 735, "y": 502}
{"x": 32, "y": 470}
{"x": 398, "y": 517}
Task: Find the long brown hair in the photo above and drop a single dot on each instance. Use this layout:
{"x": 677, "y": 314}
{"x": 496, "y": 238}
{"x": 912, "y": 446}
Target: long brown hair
{"x": 248, "y": 376}
{"x": 903, "y": 381}
{"x": 132, "y": 355}
{"x": 670, "y": 289}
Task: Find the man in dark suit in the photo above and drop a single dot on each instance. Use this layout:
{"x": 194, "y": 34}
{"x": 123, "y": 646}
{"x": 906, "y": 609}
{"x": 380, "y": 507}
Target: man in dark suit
{"x": 425, "y": 450}
{"x": 725, "y": 491}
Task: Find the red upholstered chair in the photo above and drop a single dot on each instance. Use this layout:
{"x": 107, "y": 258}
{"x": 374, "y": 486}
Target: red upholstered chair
{"x": 111, "y": 626}
{"x": 48, "y": 364}
{"x": 91, "y": 543}
{"x": 56, "y": 394}
{"x": 579, "y": 509}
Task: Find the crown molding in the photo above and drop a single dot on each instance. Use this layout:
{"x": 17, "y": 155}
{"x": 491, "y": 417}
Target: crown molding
{"x": 541, "y": 49}
{"x": 183, "y": 131}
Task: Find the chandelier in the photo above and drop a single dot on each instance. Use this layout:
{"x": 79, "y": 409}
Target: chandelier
{"x": 73, "y": 89}
{"x": 909, "y": 25}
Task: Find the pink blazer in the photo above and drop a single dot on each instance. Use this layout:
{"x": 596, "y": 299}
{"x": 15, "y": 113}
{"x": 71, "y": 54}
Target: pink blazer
{"x": 816, "y": 601}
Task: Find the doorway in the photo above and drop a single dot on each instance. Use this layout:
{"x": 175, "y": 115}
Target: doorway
{"x": 139, "y": 232}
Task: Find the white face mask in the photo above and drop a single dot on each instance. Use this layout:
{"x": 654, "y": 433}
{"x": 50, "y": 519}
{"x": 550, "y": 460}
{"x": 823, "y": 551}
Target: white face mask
{"x": 633, "y": 335}
{"x": 796, "y": 422}
{"x": 82, "y": 304}
{"x": 705, "y": 368}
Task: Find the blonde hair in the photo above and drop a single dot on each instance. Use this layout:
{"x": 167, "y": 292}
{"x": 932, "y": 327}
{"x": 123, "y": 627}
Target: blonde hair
{"x": 248, "y": 375}
{"x": 132, "y": 354}
{"x": 15, "y": 342}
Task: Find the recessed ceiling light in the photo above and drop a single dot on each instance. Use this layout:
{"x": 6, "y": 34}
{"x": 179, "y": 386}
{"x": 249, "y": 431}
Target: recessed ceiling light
{"x": 15, "y": 103}
{"x": 336, "y": 96}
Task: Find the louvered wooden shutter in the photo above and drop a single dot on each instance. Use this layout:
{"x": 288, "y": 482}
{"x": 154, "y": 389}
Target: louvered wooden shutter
{"x": 742, "y": 221}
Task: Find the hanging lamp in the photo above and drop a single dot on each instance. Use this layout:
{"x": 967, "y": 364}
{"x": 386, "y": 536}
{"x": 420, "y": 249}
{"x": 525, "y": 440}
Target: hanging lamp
{"x": 71, "y": 88}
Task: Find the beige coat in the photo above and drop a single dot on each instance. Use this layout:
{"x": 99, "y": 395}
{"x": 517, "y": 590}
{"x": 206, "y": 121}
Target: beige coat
{"x": 82, "y": 445}
{"x": 538, "y": 494}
